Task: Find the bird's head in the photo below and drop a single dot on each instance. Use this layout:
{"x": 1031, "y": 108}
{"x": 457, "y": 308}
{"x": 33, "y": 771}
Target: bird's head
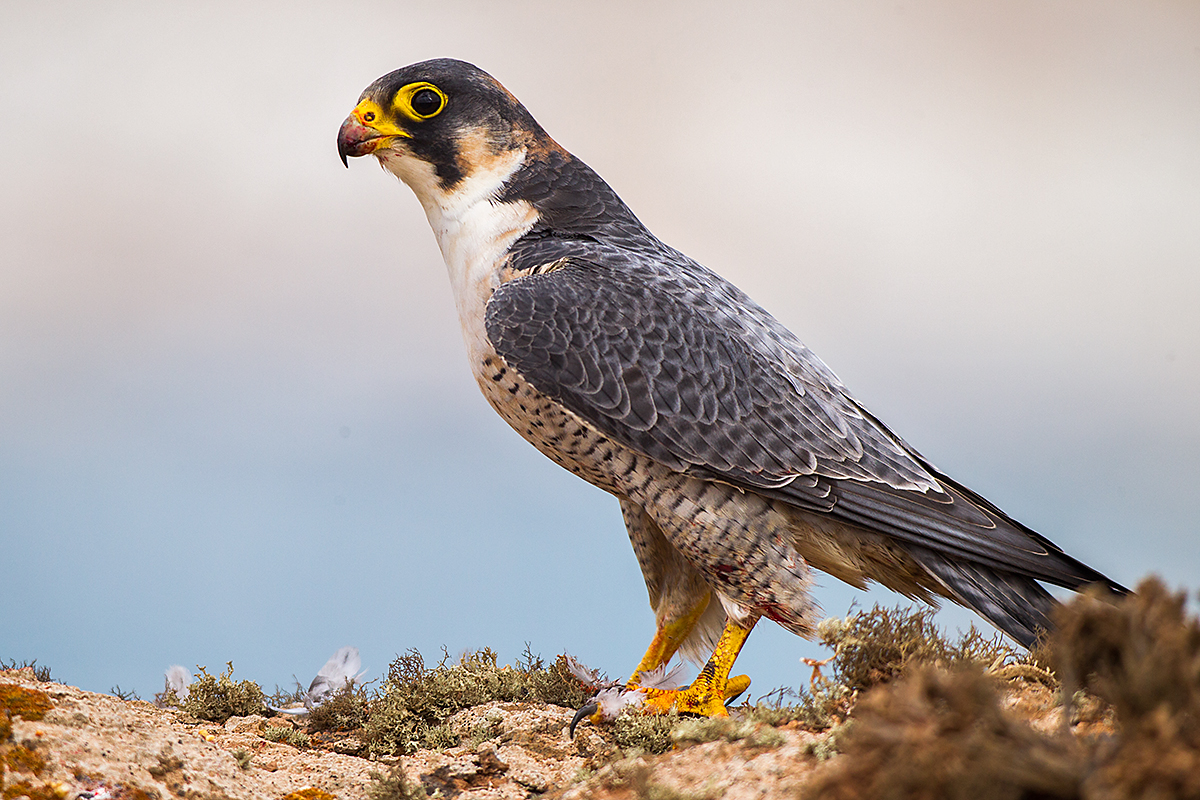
{"x": 444, "y": 127}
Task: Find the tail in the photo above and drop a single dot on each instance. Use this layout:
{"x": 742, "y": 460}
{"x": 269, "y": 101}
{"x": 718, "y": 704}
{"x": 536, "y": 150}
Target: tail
{"x": 1016, "y": 604}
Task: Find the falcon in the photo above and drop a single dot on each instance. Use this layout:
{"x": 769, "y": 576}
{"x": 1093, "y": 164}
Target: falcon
{"x": 740, "y": 461}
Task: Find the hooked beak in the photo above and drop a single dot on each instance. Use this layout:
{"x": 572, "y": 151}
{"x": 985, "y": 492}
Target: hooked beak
{"x": 366, "y": 130}
{"x": 356, "y": 139}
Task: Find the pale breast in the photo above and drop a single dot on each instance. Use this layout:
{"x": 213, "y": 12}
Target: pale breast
{"x": 559, "y": 434}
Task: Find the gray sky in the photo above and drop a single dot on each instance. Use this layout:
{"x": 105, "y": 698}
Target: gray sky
{"x": 235, "y": 417}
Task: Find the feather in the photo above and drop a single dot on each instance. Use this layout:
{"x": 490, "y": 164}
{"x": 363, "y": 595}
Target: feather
{"x": 337, "y": 672}
{"x": 661, "y": 678}
{"x": 341, "y": 669}
{"x": 177, "y": 680}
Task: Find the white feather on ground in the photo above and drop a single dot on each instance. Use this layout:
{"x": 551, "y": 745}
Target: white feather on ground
{"x": 339, "y": 670}
{"x": 177, "y": 680}
{"x": 592, "y": 678}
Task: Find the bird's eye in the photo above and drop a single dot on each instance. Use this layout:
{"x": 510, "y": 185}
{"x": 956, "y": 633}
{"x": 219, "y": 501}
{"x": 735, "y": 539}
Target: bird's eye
{"x": 426, "y": 103}
{"x": 419, "y": 101}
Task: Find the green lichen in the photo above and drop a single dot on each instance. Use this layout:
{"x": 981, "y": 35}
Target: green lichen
{"x": 636, "y": 731}
{"x": 243, "y": 757}
{"x": 816, "y": 709}
{"x": 413, "y": 704}
{"x": 729, "y": 729}
{"x": 345, "y": 710}
{"x": 827, "y": 746}
{"x": 395, "y": 785}
{"x": 218, "y": 698}
{"x": 285, "y": 735}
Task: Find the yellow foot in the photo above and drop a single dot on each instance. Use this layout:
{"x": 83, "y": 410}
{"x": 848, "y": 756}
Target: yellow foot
{"x": 702, "y": 698}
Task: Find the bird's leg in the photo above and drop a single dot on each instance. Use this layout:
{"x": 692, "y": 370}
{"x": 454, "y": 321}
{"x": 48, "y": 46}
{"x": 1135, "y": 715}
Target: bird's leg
{"x": 667, "y": 639}
{"x": 713, "y": 686}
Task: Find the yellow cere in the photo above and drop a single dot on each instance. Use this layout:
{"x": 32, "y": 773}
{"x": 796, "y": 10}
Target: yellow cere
{"x": 372, "y": 115}
{"x": 402, "y": 100}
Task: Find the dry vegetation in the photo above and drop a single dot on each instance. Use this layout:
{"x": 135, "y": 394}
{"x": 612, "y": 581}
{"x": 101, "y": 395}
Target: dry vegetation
{"x": 898, "y": 712}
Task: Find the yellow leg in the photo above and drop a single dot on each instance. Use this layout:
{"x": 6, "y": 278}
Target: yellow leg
{"x": 667, "y": 640}
{"x": 713, "y": 686}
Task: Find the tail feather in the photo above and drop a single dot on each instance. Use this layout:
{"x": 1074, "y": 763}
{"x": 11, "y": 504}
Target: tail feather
{"x": 1016, "y": 604}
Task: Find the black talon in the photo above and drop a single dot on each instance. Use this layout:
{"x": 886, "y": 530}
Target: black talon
{"x": 586, "y": 711}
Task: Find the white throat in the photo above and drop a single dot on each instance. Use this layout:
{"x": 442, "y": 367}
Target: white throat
{"x": 472, "y": 228}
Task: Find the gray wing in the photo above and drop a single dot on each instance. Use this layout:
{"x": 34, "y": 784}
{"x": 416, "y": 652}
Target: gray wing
{"x": 675, "y": 362}
{"x": 688, "y": 370}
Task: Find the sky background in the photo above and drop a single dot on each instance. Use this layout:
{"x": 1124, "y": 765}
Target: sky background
{"x": 236, "y": 420}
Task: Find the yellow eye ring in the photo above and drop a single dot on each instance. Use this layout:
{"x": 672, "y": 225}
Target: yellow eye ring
{"x": 419, "y": 101}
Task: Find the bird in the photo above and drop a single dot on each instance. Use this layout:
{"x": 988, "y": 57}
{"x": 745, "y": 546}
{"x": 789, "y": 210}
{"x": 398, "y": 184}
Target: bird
{"x": 740, "y": 461}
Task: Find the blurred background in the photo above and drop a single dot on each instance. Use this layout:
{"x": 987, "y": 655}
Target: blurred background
{"x": 236, "y": 420}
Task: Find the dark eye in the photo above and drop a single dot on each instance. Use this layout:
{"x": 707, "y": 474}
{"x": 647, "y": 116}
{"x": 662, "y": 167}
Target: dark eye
{"x": 426, "y": 103}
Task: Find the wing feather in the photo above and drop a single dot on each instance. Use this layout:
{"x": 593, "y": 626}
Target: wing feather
{"x": 671, "y": 360}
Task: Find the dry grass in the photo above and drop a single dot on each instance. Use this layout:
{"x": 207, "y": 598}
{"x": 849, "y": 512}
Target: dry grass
{"x": 877, "y": 646}
{"x": 943, "y": 734}
{"x": 938, "y": 733}
{"x": 1142, "y": 656}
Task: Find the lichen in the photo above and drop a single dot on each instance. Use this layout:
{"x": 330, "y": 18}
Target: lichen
{"x": 818, "y": 708}
{"x": 219, "y": 698}
{"x": 636, "y": 731}
{"x": 285, "y": 735}
{"x": 414, "y": 703}
{"x": 309, "y": 793}
{"x": 729, "y": 729}
{"x": 345, "y": 710}
{"x": 395, "y": 785}
{"x": 243, "y": 758}
{"x": 28, "y": 704}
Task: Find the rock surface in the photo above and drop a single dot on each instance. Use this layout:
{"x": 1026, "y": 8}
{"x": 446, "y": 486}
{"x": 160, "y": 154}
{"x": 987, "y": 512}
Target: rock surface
{"x": 94, "y": 747}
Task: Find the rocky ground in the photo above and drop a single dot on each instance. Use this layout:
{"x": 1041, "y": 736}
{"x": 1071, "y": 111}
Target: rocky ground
{"x": 132, "y": 750}
{"x": 898, "y": 713}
